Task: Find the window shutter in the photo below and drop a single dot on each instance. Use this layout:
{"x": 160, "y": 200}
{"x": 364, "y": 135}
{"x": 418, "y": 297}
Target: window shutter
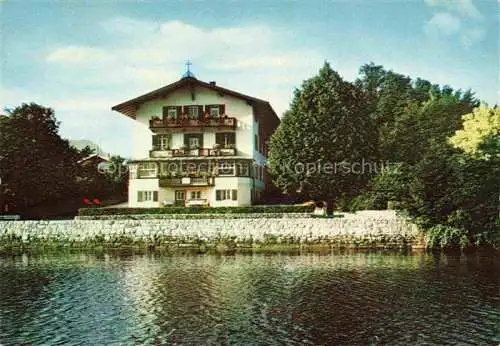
{"x": 155, "y": 196}
{"x": 156, "y": 141}
{"x": 218, "y": 195}
{"x": 186, "y": 139}
{"x": 235, "y": 195}
{"x": 179, "y": 111}
{"x": 139, "y": 196}
{"x": 200, "y": 112}
{"x": 219, "y": 138}
{"x": 200, "y": 140}
{"x": 165, "y": 112}
{"x": 207, "y": 109}
{"x": 222, "y": 109}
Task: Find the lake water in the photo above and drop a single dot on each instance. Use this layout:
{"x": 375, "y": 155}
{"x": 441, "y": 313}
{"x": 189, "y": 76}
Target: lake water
{"x": 334, "y": 299}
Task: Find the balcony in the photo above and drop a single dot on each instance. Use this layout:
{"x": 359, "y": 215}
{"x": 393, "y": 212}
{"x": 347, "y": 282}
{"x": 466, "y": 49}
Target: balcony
{"x": 226, "y": 123}
{"x": 183, "y": 152}
{"x": 186, "y": 181}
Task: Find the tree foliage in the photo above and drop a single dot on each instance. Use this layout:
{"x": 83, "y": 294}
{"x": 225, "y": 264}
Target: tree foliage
{"x": 480, "y": 135}
{"x": 451, "y": 186}
{"x": 326, "y": 128}
{"x": 39, "y": 168}
{"x": 37, "y": 165}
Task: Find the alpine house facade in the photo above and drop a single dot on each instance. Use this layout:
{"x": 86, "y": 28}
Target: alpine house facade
{"x": 204, "y": 145}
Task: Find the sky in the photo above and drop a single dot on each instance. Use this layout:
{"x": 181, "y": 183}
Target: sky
{"x": 83, "y": 57}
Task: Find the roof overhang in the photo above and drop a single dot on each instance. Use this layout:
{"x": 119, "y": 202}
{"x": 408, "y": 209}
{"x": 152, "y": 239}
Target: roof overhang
{"x": 129, "y": 108}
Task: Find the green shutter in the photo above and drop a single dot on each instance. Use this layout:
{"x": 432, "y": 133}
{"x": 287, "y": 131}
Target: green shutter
{"x": 139, "y": 196}
{"x": 156, "y": 141}
{"x": 165, "y": 112}
{"x": 235, "y": 195}
{"x": 222, "y": 109}
{"x": 217, "y": 195}
{"x": 155, "y": 196}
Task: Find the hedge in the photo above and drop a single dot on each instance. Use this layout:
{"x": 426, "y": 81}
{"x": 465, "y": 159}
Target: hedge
{"x": 198, "y": 210}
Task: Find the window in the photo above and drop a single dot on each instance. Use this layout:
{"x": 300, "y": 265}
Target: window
{"x": 195, "y": 194}
{"x": 192, "y": 140}
{"x": 256, "y": 142}
{"x": 170, "y": 112}
{"x": 225, "y": 139}
{"x": 243, "y": 169}
{"x": 147, "y": 196}
{"x": 226, "y": 168}
{"x": 214, "y": 111}
{"x": 180, "y": 195}
{"x": 161, "y": 142}
{"x": 147, "y": 170}
{"x": 192, "y": 112}
{"x": 223, "y": 195}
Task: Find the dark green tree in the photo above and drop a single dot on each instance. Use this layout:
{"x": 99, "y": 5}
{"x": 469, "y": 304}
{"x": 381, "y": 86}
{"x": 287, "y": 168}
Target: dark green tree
{"x": 323, "y": 140}
{"x": 37, "y": 165}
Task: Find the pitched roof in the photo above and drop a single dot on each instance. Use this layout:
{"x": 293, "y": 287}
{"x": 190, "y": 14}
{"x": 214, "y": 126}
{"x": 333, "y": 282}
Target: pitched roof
{"x": 129, "y": 107}
{"x": 95, "y": 156}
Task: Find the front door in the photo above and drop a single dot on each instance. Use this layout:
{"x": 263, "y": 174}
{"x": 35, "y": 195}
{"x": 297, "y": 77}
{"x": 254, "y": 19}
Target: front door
{"x": 180, "y": 198}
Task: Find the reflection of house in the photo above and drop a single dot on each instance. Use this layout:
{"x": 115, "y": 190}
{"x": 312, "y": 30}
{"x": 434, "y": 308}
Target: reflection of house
{"x": 209, "y": 145}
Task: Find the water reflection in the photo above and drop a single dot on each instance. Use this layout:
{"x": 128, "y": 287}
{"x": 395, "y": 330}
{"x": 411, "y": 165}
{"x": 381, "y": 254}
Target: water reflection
{"x": 354, "y": 298}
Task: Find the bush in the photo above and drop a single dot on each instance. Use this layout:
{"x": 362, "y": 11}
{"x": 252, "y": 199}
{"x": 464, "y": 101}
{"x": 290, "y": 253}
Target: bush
{"x": 446, "y": 237}
{"x": 197, "y": 210}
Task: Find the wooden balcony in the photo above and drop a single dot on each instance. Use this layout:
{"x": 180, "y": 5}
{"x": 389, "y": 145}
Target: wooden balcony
{"x": 186, "y": 181}
{"x": 180, "y": 125}
{"x": 204, "y": 152}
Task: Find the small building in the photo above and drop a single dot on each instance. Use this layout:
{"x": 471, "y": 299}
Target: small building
{"x": 198, "y": 144}
{"x": 94, "y": 161}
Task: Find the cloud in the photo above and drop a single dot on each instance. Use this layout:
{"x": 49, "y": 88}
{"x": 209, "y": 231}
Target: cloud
{"x": 78, "y": 55}
{"x": 144, "y": 55}
{"x": 473, "y": 35}
{"x": 465, "y": 8}
{"x": 443, "y": 23}
{"x": 462, "y": 20}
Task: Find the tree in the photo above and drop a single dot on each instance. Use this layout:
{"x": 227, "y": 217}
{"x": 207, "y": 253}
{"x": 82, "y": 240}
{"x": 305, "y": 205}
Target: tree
{"x": 117, "y": 175}
{"x": 411, "y": 134}
{"x": 480, "y": 135}
{"x": 325, "y": 134}
{"x": 37, "y": 165}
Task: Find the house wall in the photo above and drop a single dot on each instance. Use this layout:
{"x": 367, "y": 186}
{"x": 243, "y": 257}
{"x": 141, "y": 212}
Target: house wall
{"x": 235, "y": 107}
{"x": 243, "y": 185}
{"x": 135, "y": 185}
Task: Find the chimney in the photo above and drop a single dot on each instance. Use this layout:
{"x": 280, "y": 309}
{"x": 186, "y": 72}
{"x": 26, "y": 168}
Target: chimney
{"x": 212, "y": 83}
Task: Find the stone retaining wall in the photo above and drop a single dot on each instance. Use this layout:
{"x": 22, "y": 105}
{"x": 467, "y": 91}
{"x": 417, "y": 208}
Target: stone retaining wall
{"x": 349, "y": 231}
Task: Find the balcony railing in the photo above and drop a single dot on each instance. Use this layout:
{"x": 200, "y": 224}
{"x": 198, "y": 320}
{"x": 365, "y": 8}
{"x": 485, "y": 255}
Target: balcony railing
{"x": 159, "y": 153}
{"x": 186, "y": 181}
{"x": 223, "y": 122}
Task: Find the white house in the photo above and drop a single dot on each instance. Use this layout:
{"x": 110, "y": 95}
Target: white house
{"x": 198, "y": 144}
